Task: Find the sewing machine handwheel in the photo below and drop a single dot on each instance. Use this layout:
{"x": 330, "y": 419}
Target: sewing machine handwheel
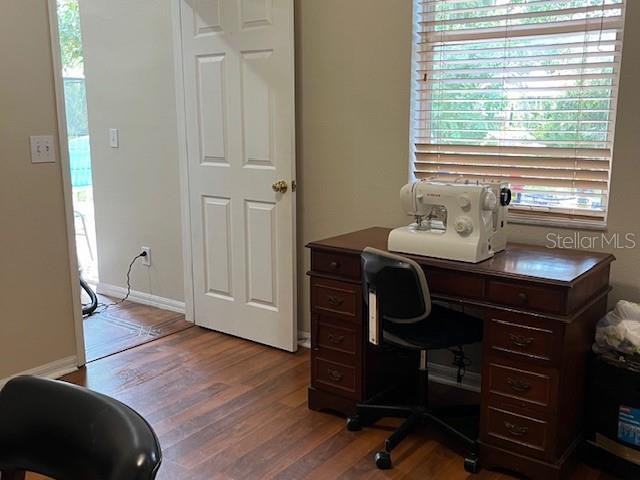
{"x": 505, "y": 196}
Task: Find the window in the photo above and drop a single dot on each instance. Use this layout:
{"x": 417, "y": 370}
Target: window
{"x": 522, "y": 91}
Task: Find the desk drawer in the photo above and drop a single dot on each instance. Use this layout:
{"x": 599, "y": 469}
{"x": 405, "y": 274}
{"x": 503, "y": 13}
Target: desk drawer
{"x": 519, "y": 433}
{"x": 340, "y": 264}
{"x": 521, "y": 337}
{"x": 335, "y": 336}
{"x": 454, "y": 284}
{"x": 534, "y": 388}
{"x": 335, "y": 377}
{"x": 338, "y": 298}
{"x": 532, "y": 297}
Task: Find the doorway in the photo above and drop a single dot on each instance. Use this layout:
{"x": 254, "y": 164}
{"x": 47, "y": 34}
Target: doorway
{"x": 120, "y": 123}
{"x": 75, "y": 94}
{"x": 191, "y": 118}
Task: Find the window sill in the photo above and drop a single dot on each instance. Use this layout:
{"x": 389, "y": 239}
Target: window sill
{"x": 546, "y": 221}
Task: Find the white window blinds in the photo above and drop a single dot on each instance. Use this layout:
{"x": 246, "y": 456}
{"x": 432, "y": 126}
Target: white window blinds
{"x": 520, "y": 91}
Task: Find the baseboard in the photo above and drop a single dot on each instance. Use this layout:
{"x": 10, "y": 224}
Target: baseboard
{"x": 55, "y": 369}
{"x": 447, "y": 375}
{"x": 141, "y": 297}
{"x": 304, "y": 339}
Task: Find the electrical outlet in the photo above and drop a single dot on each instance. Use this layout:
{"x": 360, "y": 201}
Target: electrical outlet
{"x": 146, "y": 260}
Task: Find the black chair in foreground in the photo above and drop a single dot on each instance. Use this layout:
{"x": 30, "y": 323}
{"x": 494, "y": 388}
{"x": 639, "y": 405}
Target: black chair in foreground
{"x": 68, "y": 432}
{"x": 401, "y": 316}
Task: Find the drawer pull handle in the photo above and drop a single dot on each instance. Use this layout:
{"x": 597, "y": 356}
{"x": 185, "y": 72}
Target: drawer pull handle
{"x": 523, "y": 297}
{"x": 335, "y": 339}
{"x": 518, "y": 385}
{"x": 335, "y": 301}
{"x": 334, "y": 265}
{"x": 334, "y": 375}
{"x": 520, "y": 341}
{"x": 516, "y": 430}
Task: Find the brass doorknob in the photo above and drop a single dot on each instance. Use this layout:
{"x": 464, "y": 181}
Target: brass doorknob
{"x": 280, "y": 186}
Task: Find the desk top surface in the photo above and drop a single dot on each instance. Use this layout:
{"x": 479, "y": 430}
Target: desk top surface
{"x": 549, "y": 265}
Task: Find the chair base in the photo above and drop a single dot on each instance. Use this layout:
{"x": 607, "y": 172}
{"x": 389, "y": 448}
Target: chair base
{"x": 367, "y": 414}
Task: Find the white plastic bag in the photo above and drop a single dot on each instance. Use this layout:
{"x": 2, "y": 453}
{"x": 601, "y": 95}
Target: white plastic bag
{"x": 619, "y": 330}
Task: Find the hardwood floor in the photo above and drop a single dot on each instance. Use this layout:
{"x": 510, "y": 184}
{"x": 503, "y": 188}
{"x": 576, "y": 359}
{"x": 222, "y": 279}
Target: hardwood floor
{"x": 127, "y": 325}
{"x": 226, "y": 408}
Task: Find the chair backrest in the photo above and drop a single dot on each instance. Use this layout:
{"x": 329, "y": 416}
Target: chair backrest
{"x": 71, "y": 433}
{"x": 399, "y": 284}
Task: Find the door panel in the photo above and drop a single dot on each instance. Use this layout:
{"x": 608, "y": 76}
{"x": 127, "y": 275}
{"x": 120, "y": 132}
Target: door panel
{"x": 257, "y": 109}
{"x": 207, "y": 16}
{"x": 212, "y": 124}
{"x": 262, "y": 266}
{"x": 256, "y": 13}
{"x": 239, "y": 90}
{"x": 217, "y": 247}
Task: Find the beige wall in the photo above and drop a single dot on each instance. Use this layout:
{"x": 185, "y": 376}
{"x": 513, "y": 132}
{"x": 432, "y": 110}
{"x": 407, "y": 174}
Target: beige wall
{"x": 353, "y": 67}
{"x": 36, "y": 320}
{"x": 130, "y": 86}
{"x": 352, "y": 101}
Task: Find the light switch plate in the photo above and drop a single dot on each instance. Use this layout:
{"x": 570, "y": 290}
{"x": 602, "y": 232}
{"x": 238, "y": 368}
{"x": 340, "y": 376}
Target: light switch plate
{"x": 114, "y": 138}
{"x": 42, "y": 149}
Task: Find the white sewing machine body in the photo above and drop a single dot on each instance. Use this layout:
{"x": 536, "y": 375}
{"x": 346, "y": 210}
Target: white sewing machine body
{"x": 455, "y": 221}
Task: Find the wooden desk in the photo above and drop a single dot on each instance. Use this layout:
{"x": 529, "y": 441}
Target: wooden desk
{"x": 540, "y": 307}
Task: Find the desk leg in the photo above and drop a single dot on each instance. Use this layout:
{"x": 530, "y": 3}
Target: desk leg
{"x": 492, "y": 457}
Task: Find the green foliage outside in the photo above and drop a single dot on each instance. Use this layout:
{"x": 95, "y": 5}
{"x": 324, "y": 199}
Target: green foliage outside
{"x": 546, "y": 90}
{"x": 475, "y": 108}
{"x": 74, "y": 93}
{"x": 70, "y": 35}
{"x": 72, "y": 59}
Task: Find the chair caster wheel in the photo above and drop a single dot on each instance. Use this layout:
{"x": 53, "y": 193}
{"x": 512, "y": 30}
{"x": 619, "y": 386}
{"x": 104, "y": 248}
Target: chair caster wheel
{"x": 471, "y": 464}
{"x": 354, "y": 423}
{"x": 383, "y": 460}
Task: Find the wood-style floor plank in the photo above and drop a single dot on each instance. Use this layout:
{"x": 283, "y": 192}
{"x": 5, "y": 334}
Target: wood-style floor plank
{"x": 229, "y": 409}
{"x": 116, "y": 327}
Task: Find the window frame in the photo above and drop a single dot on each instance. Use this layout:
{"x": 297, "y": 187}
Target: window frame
{"x": 516, "y": 215}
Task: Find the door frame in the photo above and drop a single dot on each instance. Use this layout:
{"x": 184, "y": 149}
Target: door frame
{"x": 65, "y": 167}
{"x": 183, "y": 167}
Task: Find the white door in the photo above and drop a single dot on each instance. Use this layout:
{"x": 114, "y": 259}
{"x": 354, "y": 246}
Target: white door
{"x": 239, "y": 92}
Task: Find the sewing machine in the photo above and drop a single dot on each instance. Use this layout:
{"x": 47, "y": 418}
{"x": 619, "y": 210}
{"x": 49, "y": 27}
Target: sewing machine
{"x": 455, "y": 221}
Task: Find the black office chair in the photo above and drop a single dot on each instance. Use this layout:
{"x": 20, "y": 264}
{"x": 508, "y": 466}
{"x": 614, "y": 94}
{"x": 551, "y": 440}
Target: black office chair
{"x": 71, "y": 433}
{"x": 402, "y": 316}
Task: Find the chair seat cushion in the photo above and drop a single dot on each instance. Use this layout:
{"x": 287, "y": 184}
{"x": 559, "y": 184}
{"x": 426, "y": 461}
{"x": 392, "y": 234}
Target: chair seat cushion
{"x": 443, "y": 328}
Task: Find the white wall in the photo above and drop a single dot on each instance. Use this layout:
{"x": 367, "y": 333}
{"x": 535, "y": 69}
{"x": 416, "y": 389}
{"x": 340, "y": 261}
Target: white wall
{"x": 36, "y": 317}
{"x": 130, "y": 86}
